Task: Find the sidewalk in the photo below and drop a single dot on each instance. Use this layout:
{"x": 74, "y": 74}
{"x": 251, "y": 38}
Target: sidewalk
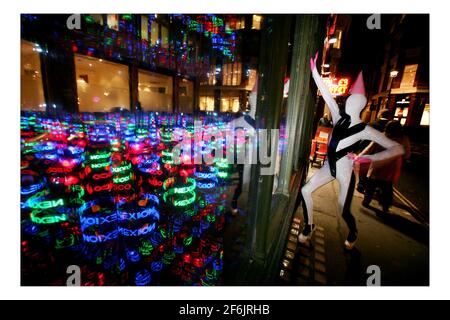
{"x": 395, "y": 242}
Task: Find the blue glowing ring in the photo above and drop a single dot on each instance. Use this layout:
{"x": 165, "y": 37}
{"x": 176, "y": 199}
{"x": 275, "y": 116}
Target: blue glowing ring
{"x": 205, "y": 175}
{"x": 133, "y": 255}
{"x": 100, "y": 238}
{"x": 143, "y": 278}
{"x": 207, "y": 185}
{"x": 31, "y": 189}
{"x": 149, "y": 212}
{"x": 97, "y": 220}
{"x": 152, "y": 197}
{"x": 157, "y": 266}
{"x": 146, "y": 229}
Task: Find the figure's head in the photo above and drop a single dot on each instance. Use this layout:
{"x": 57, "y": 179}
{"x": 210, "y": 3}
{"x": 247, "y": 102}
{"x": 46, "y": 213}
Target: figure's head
{"x": 355, "y": 104}
{"x": 357, "y": 100}
{"x": 325, "y": 116}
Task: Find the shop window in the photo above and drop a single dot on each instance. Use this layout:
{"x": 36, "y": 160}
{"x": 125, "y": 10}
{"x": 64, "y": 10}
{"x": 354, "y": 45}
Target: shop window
{"x": 252, "y": 76}
{"x": 210, "y": 78}
{"x": 240, "y": 23}
{"x": 425, "y": 120}
{"x": 409, "y": 76}
{"x": 102, "y": 86}
{"x": 206, "y": 103}
{"x": 113, "y": 21}
{"x": 336, "y": 39}
{"x": 155, "y": 91}
{"x": 231, "y": 74}
{"x": 229, "y": 104}
{"x": 256, "y": 24}
{"x": 235, "y": 23}
{"x": 186, "y": 96}
{"x": 94, "y": 18}
{"x": 164, "y": 37}
{"x": 31, "y": 88}
{"x": 401, "y": 110}
{"x": 155, "y": 33}
{"x": 144, "y": 28}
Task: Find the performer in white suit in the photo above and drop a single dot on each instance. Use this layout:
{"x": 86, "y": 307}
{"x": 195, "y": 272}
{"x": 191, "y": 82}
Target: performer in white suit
{"x": 348, "y": 131}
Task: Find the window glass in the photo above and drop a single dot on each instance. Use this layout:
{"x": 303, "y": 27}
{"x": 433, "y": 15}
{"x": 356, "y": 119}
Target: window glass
{"x": 102, "y": 85}
{"x": 256, "y": 22}
{"x": 113, "y": 21}
{"x": 231, "y": 74}
{"x": 155, "y": 91}
{"x": 31, "y": 88}
{"x": 164, "y": 37}
{"x": 144, "y": 27}
{"x": 155, "y": 35}
{"x": 186, "y": 96}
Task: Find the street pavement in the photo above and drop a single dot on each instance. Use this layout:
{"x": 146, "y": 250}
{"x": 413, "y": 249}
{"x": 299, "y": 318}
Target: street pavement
{"x": 396, "y": 242}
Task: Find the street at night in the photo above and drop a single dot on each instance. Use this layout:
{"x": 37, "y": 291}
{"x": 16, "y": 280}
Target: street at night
{"x": 224, "y": 149}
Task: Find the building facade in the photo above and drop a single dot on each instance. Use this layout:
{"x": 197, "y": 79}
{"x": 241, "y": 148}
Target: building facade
{"x": 402, "y": 85}
{"x": 166, "y": 63}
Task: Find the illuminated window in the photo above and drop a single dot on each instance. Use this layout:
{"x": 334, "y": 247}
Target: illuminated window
{"x": 155, "y": 91}
{"x": 425, "y": 121}
{"x": 206, "y": 103}
{"x": 102, "y": 85}
{"x": 252, "y": 76}
{"x": 229, "y": 104}
{"x": 31, "y": 88}
{"x": 164, "y": 37}
{"x": 186, "y": 96}
{"x": 336, "y": 40}
{"x": 212, "y": 75}
{"x": 94, "y": 18}
{"x": 235, "y": 23}
{"x": 256, "y": 22}
{"x": 155, "y": 33}
{"x": 232, "y": 74}
{"x": 144, "y": 28}
{"x": 409, "y": 76}
{"x": 240, "y": 23}
{"x": 113, "y": 21}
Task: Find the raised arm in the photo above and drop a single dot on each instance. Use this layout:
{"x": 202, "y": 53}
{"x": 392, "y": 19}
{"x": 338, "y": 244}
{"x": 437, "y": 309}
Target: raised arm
{"x": 393, "y": 149}
{"x": 326, "y": 94}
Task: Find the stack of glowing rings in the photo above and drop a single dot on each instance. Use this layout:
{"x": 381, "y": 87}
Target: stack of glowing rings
{"x": 187, "y": 192}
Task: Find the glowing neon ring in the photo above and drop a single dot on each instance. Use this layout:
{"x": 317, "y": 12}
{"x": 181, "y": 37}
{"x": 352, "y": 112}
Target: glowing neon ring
{"x": 101, "y": 237}
{"x": 143, "y": 278}
{"x": 97, "y": 220}
{"x": 47, "y": 204}
{"x": 209, "y": 185}
{"x": 121, "y": 168}
{"x": 47, "y": 219}
{"x": 99, "y": 156}
{"x": 180, "y": 190}
{"x": 182, "y": 203}
{"x": 122, "y": 179}
{"x": 149, "y": 212}
{"x": 121, "y": 187}
{"x": 31, "y": 189}
{"x": 222, "y": 164}
{"x": 205, "y": 175}
{"x": 147, "y": 228}
{"x": 103, "y": 175}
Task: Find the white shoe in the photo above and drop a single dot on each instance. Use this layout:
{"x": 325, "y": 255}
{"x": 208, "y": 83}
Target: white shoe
{"x": 350, "y": 244}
